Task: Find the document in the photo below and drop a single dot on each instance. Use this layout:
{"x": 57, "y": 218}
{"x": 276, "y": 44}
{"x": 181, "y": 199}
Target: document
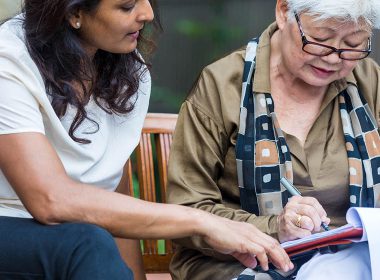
{"x": 362, "y": 225}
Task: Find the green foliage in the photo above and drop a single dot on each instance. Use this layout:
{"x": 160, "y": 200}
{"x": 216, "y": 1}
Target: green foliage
{"x": 164, "y": 99}
{"x": 135, "y": 182}
{"x": 196, "y": 39}
{"x": 160, "y": 246}
{"x": 215, "y": 30}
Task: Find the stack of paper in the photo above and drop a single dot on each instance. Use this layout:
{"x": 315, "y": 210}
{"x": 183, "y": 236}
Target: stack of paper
{"x": 363, "y": 225}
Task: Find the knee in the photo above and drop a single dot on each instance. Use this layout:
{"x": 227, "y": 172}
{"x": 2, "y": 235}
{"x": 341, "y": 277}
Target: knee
{"x": 93, "y": 237}
{"x": 94, "y": 250}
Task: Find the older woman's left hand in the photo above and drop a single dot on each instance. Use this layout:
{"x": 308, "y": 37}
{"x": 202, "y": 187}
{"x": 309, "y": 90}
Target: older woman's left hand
{"x": 300, "y": 217}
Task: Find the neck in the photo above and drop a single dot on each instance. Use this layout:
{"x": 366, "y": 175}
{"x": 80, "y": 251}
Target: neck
{"x": 296, "y": 89}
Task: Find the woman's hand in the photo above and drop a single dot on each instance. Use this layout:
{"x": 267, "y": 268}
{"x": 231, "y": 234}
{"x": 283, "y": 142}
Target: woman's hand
{"x": 301, "y": 217}
{"x": 245, "y": 242}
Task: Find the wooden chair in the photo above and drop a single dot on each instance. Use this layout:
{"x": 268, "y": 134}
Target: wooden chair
{"x": 150, "y": 161}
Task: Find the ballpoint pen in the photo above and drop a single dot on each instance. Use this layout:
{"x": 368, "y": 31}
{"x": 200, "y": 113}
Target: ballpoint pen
{"x": 294, "y": 192}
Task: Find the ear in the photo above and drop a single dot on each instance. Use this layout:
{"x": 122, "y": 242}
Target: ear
{"x": 281, "y": 13}
{"x": 75, "y": 19}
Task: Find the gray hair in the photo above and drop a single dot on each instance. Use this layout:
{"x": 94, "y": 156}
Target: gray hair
{"x": 345, "y": 10}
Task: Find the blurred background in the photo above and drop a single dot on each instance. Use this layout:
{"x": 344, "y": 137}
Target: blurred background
{"x": 196, "y": 32}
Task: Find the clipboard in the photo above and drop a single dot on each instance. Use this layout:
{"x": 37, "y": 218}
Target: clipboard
{"x": 342, "y": 235}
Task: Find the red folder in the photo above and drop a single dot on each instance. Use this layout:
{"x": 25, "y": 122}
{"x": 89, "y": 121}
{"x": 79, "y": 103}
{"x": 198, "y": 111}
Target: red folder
{"x": 343, "y": 235}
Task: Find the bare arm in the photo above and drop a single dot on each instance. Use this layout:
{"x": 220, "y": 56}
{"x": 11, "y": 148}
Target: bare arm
{"x": 39, "y": 178}
{"x": 37, "y": 175}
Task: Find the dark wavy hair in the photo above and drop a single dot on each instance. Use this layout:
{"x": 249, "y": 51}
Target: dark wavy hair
{"x": 55, "y": 48}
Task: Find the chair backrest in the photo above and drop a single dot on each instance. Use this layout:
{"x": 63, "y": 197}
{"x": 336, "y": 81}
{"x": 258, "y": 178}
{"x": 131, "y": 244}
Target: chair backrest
{"x": 150, "y": 162}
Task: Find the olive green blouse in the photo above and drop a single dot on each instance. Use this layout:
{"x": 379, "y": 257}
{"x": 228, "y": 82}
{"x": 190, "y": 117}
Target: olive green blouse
{"x": 202, "y": 164}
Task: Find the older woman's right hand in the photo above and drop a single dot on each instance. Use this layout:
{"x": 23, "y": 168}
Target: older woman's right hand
{"x": 301, "y": 217}
{"x": 246, "y": 243}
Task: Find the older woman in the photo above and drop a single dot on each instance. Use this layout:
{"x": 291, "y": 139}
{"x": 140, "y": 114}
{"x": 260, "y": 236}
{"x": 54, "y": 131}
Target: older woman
{"x": 300, "y": 101}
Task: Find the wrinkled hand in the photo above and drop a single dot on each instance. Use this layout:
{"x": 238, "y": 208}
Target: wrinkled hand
{"x": 307, "y": 212}
{"x": 246, "y": 243}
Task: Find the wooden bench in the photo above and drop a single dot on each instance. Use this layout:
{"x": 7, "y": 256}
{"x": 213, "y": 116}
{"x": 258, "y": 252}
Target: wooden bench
{"x": 149, "y": 162}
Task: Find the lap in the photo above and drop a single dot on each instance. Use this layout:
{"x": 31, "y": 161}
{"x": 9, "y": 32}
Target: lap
{"x": 35, "y": 250}
{"x": 349, "y": 264}
{"x": 27, "y": 234}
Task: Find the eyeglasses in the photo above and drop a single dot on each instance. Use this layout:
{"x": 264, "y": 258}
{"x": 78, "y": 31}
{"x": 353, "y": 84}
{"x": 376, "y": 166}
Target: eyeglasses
{"x": 318, "y": 49}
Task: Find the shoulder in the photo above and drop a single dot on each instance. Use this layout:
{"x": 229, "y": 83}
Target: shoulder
{"x": 217, "y": 91}
{"x": 15, "y": 59}
{"x": 366, "y": 69}
{"x": 367, "y": 76}
{"x": 16, "y": 64}
{"x": 228, "y": 67}
{"x": 12, "y": 38}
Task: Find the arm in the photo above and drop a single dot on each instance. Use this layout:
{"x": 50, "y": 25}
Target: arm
{"x": 35, "y": 172}
{"x": 201, "y": 156}
{"x": 38, "y": 177}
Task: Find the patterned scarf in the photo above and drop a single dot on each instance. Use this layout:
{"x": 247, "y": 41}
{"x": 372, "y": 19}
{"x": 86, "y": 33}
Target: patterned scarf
{"x": 263, "y": 157}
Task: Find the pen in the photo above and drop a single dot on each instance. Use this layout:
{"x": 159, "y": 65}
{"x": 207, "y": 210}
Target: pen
{"x": 294, "y": 192}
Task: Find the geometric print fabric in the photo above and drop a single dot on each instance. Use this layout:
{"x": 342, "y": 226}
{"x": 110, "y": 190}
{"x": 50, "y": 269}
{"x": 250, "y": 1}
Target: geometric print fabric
{"x": 363, "y": 148}
{"x": 263, "y": 156}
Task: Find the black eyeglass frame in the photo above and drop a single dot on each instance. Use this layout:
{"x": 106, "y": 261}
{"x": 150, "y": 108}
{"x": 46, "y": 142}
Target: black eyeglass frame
{"x": 305, "y": 42}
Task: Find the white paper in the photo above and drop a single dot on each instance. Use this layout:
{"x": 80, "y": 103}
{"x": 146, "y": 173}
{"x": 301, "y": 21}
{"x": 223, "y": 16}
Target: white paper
{"x": 352, "y": 263}
{"x": 370, "y": 220}
{"x": 355, "y": 217}
{"x": 360, "y": 261}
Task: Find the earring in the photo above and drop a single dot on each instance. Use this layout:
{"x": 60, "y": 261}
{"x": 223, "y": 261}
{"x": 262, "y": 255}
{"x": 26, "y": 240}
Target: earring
{"x": 77, "y": 25}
